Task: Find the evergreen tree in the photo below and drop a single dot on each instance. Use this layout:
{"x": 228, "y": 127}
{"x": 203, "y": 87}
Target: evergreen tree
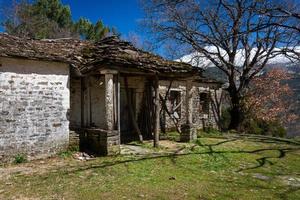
{"x": 90, "y": 31}
{"x": 50, "y": 19}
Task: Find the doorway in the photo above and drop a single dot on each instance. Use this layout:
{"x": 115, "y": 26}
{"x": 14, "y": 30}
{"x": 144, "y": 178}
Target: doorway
{"x": 128, "y": 133}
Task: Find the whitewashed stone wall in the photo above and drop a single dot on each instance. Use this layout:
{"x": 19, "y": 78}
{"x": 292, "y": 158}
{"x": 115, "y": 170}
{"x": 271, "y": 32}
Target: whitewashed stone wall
{"x": 97, "y": 95}
{"x": 34, "y": 105}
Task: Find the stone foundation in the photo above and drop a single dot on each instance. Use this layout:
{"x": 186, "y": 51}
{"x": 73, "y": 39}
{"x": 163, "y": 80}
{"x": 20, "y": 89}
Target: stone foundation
{"x": 188, "y": 133}
{"x": 74, "y": 139}
{"x": 100, "y": 142}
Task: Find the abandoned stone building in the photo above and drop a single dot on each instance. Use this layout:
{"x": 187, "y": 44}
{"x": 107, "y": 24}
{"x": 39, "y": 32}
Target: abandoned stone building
{"x": 105, "y": 93}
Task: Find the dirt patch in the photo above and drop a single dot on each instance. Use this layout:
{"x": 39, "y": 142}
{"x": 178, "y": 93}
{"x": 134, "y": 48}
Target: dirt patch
{"x": 32, "y": 167}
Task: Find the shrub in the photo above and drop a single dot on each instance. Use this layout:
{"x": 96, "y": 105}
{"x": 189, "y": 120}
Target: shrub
{"x": 20, "y": 158}
{"x": 225, "y": 119}
{"x": 275, "y": 129}
{"x": 65, "y": 154}
{"x": 251, "y": 126}
{"x": 212, "y": 131}
{"x": 260, "y": 127}
{"x": 208, "y": 131}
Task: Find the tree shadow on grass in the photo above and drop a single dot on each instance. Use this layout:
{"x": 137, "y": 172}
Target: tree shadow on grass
{"x": 286, "y": 193}
{"x": 260, "y": 162}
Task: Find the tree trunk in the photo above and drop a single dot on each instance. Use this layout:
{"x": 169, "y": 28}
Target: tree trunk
{"x": 236, "y": 118}
{"x": 236, "y": 112}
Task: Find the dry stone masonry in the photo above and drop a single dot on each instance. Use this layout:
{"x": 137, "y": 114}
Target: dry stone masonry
{"x": 34, "y": 103}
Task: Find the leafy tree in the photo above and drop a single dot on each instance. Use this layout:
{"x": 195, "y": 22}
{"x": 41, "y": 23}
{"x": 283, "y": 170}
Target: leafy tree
{"x": 50, "y": 19}
{"x": 269, "y": 99}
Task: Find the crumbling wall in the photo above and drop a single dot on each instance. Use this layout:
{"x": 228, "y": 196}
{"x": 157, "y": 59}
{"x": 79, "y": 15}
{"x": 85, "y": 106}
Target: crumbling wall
{"x": 167, "y": 122}
{"x": 34, "y": 104}
{"x": 200, "y": 119}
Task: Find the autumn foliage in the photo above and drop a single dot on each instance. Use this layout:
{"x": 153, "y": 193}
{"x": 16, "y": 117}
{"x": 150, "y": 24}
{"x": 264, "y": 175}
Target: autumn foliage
{"x": 270, "y": 99}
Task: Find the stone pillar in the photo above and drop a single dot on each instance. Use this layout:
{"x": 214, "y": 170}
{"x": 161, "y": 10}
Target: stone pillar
{"x": 111, "y": 135}
{"x": 188, "y": 132}
{"x": 109, "y": 101}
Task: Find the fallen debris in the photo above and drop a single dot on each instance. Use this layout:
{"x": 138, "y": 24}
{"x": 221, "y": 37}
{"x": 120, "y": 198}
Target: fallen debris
{"x": 83, "y": 156}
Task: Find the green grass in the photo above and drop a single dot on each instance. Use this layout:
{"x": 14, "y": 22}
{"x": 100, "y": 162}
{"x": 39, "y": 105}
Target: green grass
{"x": 231, "y": 167}
{"x": 20, "y": 158}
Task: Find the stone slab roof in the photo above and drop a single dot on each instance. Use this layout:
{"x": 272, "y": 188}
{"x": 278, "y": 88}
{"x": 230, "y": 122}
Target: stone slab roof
{"x": 88, "y": 56}
{"x": 61, "y": 50}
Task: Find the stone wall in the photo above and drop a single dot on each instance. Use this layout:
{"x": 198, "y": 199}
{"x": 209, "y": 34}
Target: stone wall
{"x": 199, "y": 119}
{"x": 34, "y": 105}
{"x": 180, "y": 86}
{"x": 100, "y": 142}
{"x": 97, "y": 95}
{"x": 75, "y": 102}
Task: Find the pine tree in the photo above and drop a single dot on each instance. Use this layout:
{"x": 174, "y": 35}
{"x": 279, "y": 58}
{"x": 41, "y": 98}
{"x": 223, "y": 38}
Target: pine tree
{"x": 50, "y": 19}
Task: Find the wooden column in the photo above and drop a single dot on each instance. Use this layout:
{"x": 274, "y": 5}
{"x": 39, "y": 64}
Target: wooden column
{"x": 82, "y": 90}
{"x": 87, "y": 102}
{"x": 119, "y": 106}
{"x": 156, "y": 110}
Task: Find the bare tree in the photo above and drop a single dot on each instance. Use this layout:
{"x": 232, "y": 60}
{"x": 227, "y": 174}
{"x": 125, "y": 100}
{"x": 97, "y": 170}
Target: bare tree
{"x": 140, "y": 42}
{"x": 221, "y": 30}
{"x": 286, "y": 9}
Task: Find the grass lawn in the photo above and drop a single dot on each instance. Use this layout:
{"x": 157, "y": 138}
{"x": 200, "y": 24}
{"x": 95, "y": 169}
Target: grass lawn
{"x": 225, "y": 167}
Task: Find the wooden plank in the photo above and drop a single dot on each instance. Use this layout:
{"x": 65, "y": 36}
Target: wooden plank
{"x": 119, "y": 106}
{"x": 82, "y": 89}
{"x": 131, "y": 112}
{"x": 115, "y": 124}
{"x": 90, "y": 101}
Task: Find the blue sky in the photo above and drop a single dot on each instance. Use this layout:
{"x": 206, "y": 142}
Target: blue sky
{"x": 122, "y": 14}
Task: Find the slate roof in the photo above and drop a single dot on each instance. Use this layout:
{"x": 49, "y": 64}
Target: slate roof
{"x": 62, "y": 50}
{"x": 88, "y": 56}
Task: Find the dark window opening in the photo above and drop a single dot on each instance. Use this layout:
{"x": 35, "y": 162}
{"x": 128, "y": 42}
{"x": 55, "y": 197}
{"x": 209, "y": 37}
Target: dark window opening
{"x": 204, "y": 102}
{"x": 175, "y": 101}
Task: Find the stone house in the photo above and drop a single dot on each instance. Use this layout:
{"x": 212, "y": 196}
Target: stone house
{"x": 105, "y": 93}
